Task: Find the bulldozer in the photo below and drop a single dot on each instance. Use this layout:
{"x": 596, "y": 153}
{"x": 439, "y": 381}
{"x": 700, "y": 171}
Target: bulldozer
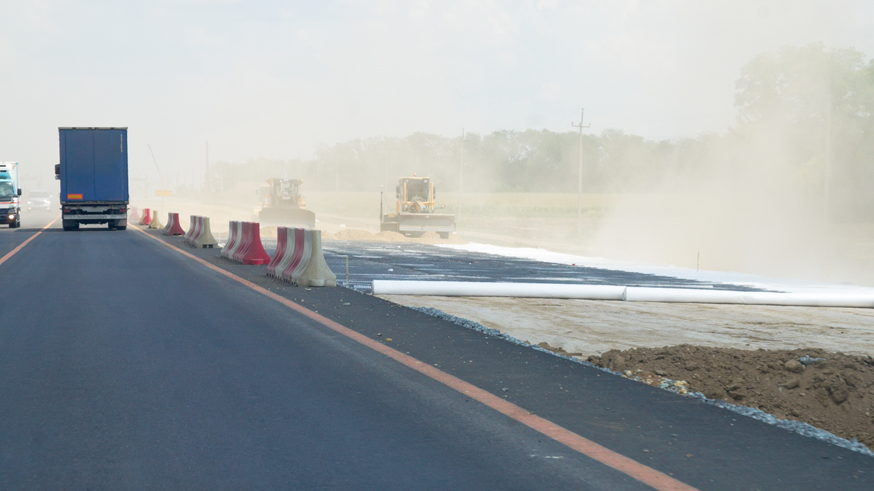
{"x": 283, "y": 205}
{"x": 415, "y": 210}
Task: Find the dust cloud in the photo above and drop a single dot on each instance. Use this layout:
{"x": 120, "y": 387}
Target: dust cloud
{"x": 780, "y": 193}
{"x": 752, "y": 211}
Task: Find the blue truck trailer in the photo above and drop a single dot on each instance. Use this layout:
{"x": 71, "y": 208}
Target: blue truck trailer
{"x": 93, "y": 175}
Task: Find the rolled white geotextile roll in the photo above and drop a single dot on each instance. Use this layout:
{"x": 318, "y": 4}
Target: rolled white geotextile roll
{"x": 683, "y": 295}
{"x": 484, "y": 289}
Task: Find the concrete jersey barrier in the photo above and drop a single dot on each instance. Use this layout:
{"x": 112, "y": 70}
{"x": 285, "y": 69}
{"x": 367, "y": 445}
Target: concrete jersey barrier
{"x": 156, "y": 222}
{"x": 197, "y": 225}
{"x": 204, "y": 237}
{"x": 242, "y": 242}
{"x": 251, "y": 251}
{"x": 281, "y": 247}
{"x": 291, "y": 255}
{"x": 173, "y": 228}
{"x": 300, "y": 261}
{"x": 188, "y": 234}
{"x": 234, "y": 233}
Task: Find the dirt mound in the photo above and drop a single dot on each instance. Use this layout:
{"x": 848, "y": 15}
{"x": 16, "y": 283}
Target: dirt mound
{"x": 453, "y": 239}
{"x": 831, "y": 391}
{"x": 269, "y": 232}
{"x": 353, "y": 234}
{"x": 389, "y": 236}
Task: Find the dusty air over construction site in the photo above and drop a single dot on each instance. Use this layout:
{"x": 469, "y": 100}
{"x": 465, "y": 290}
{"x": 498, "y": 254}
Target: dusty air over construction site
{"x": 437, "y": 245}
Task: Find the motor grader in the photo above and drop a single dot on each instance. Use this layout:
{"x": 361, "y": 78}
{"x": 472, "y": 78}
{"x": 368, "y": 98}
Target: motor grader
{"x": 415, "y": 210}
{"x": 282, "y": 204}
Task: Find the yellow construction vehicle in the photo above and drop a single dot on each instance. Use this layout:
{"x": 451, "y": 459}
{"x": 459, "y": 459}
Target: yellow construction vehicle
{"x": 283, "y": 205}
{"x": 415, "y": 210}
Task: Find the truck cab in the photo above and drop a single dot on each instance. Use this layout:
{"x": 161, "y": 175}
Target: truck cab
{"x": 10, "y": 195}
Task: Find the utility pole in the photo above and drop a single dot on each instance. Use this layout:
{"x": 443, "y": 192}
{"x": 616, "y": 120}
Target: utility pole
{"x": 460, "y": 178}
{"x": 580, "y": 177}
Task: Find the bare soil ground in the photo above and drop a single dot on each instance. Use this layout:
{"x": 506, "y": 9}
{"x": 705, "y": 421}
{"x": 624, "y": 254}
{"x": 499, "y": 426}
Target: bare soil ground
{"x": 829, "y": 390}
{"x": 592, "y": 327}
{"x": 385, "y": 236}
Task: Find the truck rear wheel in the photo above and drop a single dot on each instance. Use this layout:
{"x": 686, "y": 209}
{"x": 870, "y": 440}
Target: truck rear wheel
{"x": 70, "y": 225}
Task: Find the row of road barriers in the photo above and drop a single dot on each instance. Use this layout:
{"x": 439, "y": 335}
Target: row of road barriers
{"x": 298, "y": 259}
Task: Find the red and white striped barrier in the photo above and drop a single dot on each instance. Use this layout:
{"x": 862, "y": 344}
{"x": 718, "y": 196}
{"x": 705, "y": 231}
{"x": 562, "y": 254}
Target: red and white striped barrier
{"x": 281, "y": 241}
{"x": 299, "y": 259}
{"x": 146, "y": 218}
{"x": 190, "y": 232}
{"x": 234, "y": 233}
{"x": 200, "y": 234}
{"x": 251, "y": 251}
{"x": 134, "y": 217}
{"x": 173, "y": 227}
{"x": 195, "y": 229}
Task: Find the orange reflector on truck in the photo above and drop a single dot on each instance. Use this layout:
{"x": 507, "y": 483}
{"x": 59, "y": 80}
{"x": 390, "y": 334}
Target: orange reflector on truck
{"x": 74, "y": 196}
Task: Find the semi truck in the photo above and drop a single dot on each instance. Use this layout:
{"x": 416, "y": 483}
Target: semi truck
{"x": 10, "y": 195}
{"x": 94, "y": 177}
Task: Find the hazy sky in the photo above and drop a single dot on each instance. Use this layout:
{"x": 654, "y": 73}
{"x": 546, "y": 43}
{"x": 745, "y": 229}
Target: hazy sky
{"x": 276, "y": 78}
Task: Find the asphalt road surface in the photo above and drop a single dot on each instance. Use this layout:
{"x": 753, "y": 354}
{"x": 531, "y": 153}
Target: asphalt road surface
{"x": 370, "y": 261}
{"x": 127, "y": 365}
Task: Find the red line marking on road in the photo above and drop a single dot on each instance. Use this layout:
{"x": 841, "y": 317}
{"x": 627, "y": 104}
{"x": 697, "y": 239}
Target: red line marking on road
{"x": 621, "y": 463}
{"x": 20, "y": 246}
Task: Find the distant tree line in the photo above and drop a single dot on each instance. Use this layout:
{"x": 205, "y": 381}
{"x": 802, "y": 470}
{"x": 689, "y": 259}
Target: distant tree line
{"x": 795, "y": 107}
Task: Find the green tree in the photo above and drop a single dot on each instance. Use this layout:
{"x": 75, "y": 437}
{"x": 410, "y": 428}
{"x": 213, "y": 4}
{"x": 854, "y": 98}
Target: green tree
{"x": 814, "y": 103}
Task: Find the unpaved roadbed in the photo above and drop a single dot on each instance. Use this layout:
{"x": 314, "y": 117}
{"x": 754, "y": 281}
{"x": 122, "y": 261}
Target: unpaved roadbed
{"x": 592, "y": 327}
